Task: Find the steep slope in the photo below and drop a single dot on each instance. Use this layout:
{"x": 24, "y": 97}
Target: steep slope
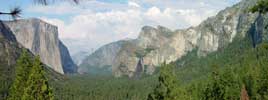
{"x": 68, "y": 65}
{"x": 42, "y": 39}
{"x": 102, "y": 58}
{"x": 157, "y": 45}
{"x": 9, "y": 52}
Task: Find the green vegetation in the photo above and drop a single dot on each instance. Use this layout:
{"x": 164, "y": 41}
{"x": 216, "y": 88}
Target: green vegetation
{"x": 23, "y": 67}
{"x": 6, "y": 73}
{"x": 90, "y": 87}
{"x": 261, "y": 7}
{"x": 30, "y": 81}
{"x": 222, "y": 86}
{"x": 167, "y": 88}
{"x": 37, "y": 87}
{"x": 221, "y": 75}
{"x": 218, "y": 76}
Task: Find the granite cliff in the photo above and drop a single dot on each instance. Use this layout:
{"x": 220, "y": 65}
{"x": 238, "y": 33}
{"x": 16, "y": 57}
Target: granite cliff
{"x": 10, "y": 51}
{"x": 42, "y": 39}
{"x": 157, "y": 45}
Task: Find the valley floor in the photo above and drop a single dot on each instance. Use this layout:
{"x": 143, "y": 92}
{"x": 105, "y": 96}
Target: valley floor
{"x": 219, "y": 75}
{"x": 97, "y": 87}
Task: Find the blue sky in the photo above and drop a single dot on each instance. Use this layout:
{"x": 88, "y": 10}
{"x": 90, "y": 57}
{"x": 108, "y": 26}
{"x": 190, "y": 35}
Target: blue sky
{"x": 94, "y": 23}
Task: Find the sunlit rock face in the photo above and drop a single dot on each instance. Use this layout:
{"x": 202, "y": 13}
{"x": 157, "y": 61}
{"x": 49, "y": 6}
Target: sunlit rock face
{"x": 42, "y": 39}
{"x": 157, "y": 45}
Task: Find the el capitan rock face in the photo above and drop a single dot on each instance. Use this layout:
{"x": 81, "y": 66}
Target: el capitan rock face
{"x": 42, "y": 39}
{"x": 157, "y": 45}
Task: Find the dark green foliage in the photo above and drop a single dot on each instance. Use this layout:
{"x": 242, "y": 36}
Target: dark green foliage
{"x": 23, "y": 66}
{"x": 222, "y": 86}
{"x": 167, "y": 88}
{"x": 37, "y": 87}
{"x": 262, "y": 82}
{"x": 92, "y": 87}
{"x": 261, "y": 7}
{"x": 9, "y": 53}
{"x": 30, "y": 82}
{"x": 6, "y": 77}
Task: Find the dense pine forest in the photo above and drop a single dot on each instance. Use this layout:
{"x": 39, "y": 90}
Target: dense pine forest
{"x": 103, "y": 88}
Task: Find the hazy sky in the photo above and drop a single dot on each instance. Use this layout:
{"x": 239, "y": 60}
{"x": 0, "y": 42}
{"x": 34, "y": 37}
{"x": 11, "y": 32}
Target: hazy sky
{"x": 94, "y": 23}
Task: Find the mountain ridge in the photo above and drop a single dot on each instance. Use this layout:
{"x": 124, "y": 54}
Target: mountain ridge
{"x": 167, "y": 46}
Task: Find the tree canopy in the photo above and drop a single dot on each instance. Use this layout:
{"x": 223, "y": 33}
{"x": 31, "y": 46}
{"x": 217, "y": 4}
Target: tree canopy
{"x": 30, "y": 81}
{"x": 261, "y": 7}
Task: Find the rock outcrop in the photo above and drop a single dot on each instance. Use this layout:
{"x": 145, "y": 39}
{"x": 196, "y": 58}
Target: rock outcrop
{"x": 42, "y": 39}
{"x": 157, "y": 45}
{"x": 9, "y": 53}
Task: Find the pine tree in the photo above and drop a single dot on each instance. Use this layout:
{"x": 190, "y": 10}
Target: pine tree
{"x": 37, "y": 84}
{"x": 213, "y": 90}
{"x": 222, "y": 86}
{"x": 263, "y": 76}
{"x": 23, "y": 67}
{"x": 167, "y": 89}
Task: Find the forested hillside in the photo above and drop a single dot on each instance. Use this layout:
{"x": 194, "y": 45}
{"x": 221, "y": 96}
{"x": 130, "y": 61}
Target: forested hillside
{"x": 220, "y": 75}
{"x": 234, "y": 72}
{"x": 9, "y": 52}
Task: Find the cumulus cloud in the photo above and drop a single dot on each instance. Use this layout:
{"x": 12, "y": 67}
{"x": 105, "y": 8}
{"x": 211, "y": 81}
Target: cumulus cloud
{"x": 95, "y": 23}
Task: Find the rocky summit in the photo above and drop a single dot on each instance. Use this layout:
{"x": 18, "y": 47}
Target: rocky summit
{"x": 158, "y": 45}
{"x": 42, "y": 39}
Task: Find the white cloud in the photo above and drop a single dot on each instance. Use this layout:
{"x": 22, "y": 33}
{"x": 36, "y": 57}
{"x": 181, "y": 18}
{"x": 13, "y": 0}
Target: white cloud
{"x": 133, "y": 4}
{"x": 96, "y": 23}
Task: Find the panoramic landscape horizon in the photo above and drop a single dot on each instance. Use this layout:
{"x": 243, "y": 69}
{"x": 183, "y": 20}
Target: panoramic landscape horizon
{"x": 134, "y": 50}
